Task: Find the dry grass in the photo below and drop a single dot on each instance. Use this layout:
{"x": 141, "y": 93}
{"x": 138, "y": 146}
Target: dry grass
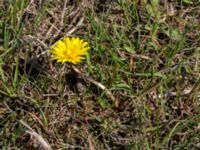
{"x": 145, "y": 54}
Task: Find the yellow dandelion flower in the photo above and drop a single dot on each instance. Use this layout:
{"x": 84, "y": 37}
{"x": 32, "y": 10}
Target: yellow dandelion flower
{"x": 71, "y": 50}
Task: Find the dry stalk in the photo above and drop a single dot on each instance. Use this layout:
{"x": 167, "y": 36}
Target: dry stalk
{"x": 101, "y": 86}
{"x": 63, "y": 12}
{"x": 40, "y": 139}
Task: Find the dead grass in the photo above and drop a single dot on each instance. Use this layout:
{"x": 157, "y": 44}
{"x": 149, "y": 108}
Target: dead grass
{"x": 146, "y": 54}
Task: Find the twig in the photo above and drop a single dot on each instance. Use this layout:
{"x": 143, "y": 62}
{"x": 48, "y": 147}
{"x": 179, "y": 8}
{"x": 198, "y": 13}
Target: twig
{"x": 40, "y": 139}
{"x": 140, "y": 56}
{"x": 63, "y": 13}
{"x": 80, "y": 22}
{"x": 101, "y": 86}
{"x": 50, "y": 95}
{"x": 73, "y": 13}
{"x": 30, "y": 37}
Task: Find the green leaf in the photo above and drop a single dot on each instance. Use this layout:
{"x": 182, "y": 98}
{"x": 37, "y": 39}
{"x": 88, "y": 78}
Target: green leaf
{"x": 15, "y": 80}
{"x": 121, "y": 86}
{"x": 173, "y": 34}
{"x": 103, "y": 103}
{"x": 187, "y": 1}
{"x": 129, "y": 49}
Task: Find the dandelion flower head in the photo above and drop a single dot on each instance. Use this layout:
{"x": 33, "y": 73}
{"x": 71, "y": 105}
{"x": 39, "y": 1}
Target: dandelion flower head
{"x": 71, "y": 50}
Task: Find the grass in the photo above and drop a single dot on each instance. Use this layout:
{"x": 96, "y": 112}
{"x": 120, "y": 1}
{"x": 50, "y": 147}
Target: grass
{"x": 146, "y": 53}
